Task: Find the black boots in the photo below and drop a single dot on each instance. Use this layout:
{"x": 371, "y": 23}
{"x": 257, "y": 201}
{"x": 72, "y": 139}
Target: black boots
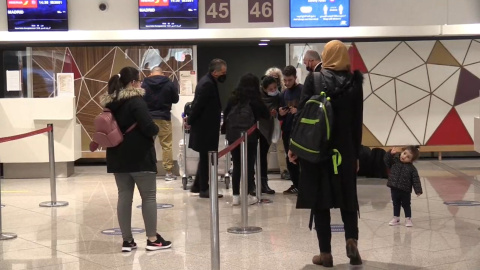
{"x": 265, "y": 188}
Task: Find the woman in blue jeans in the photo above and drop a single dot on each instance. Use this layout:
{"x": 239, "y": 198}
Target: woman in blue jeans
{"x": 133, "y": 162}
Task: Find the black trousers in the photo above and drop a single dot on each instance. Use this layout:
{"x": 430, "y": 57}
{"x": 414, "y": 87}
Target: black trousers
{"x": 237, "y": 169}
{"x": 201, "y": 178}
{"x": 402, "y": 199}
{"x": 264, "y": 146}
{"x": 293, "y": 169}
{"x": 324, "y": 233}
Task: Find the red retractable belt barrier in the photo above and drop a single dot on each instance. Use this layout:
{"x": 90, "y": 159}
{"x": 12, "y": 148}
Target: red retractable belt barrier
{"x": 236, "y": 143}
{"x": 28, "y": 134}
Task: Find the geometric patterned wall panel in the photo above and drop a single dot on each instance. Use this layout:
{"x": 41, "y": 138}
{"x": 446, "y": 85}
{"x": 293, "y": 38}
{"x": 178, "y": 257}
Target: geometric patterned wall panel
{"x": 92, "y": 68}
{"x": 425, "y": 83}
{"x": 416, "y": 92}
{"x": 451, "y": 131}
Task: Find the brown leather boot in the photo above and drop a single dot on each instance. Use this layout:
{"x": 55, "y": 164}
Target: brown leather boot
{"x": 324, "y": 259}
{"x": 352, "y": 252}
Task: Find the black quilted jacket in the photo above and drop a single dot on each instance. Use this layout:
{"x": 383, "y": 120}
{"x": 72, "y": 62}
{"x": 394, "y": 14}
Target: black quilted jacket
{"x": 402, "y": 176}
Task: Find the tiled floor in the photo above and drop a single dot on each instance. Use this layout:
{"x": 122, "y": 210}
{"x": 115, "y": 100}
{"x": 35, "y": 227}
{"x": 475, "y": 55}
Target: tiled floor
{"x": 443, "y": 237}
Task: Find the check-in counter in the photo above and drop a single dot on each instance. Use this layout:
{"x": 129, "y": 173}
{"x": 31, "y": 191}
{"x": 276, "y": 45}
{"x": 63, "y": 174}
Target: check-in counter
{"x": 28, "y": 157}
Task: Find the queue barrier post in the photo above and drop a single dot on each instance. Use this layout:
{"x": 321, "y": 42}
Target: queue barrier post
{"x": 258, "y": 173}
{"x": 244, "y": 229}
{"x": 53, "y": 178}
{"x": 214, "y": 228}
{"x": 4, "y": 235}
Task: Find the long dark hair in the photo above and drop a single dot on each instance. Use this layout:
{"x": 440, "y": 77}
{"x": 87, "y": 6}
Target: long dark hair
{"x": 247, "y": 89}
{"x": 122, "y": 79}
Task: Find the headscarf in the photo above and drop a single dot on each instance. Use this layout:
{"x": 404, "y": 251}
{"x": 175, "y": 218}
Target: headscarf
{"x": 335, "y": 56}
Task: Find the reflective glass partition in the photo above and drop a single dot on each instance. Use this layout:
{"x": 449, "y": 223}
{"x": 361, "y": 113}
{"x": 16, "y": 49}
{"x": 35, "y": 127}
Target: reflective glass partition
{"x": 47, "y": 72}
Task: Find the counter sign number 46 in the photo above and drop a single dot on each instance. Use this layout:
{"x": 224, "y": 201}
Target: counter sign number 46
{"x": 260, "y": 10}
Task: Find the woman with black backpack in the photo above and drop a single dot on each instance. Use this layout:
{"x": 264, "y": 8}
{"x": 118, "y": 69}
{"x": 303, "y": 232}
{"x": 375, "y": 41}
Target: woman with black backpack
{"x": 327, "y": 184}
{"x": 243, "y": 110}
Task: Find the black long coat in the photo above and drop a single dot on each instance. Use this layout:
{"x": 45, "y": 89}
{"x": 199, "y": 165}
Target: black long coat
{"x": 319, "y": 187}
{"x": 137, "y": 151}
{"x": 205, "y": 116}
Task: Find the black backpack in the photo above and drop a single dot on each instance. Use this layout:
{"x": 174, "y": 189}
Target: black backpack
{"x": 239, "y": 119}
{"x": 310, "y": 137}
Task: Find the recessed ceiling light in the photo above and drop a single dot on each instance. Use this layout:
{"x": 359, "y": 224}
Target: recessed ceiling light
{"x": 264, "y": 40}
{"x": 262, "y": 44}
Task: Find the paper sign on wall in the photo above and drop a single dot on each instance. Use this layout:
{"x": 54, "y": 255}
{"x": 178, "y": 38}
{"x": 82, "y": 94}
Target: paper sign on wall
{"x": 65, "y": 85}
{"x": 188, "y": 82}
{"x": 14, "y": 82}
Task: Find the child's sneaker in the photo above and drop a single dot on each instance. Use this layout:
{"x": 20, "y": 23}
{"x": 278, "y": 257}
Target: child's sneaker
{"x": 160, "y": 243}
{"x": 408, "y": 222}
{"x": 236, "y": 200}
{"x": 394, "y": 222}
{"x": 129, "y": 246}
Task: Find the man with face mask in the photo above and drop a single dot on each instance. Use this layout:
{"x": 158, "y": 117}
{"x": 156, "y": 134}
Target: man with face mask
{"x": 312, "y": 61}
{"x": 204, "y": 121}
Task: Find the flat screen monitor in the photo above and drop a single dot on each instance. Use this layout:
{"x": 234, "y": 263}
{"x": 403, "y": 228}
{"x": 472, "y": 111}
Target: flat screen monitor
{"x": 168, "y": 14}
{"x": 319, "y": 13}
{"x": 37, "y": 15}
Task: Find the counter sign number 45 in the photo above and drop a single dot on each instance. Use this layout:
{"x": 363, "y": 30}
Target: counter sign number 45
{"x": 217, "y": 11}
{"x": 260, "y": 11}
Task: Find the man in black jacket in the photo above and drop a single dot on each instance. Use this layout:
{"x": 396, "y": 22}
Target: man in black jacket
{"x": 160, "y": 94}
{"x": 204, "y": 120}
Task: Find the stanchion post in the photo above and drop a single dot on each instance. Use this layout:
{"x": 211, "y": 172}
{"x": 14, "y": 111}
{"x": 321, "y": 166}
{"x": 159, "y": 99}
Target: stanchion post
{"x": 53, "y": 176}
{"x": 258, "y": 172}
{"x": 244, "y": 179}
{"x": 4, "y": 235}
{"x": 185, "y": 145}
{"x": 244, "y": 229}
{"x": 214, "y": 233}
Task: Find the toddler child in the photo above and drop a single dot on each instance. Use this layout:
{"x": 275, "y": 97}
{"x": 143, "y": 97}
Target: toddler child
{"x": 403, "y": 176}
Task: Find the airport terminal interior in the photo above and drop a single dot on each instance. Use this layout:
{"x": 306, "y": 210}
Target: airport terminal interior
{"x": 421, "y": 66}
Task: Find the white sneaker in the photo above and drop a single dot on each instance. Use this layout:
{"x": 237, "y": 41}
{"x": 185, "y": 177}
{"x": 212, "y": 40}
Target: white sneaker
{"x": 252, "y": 199}
{"x": 394, "y": 222}
{"x": 236, "y": 200}
{"x": 408, "y": 222}
{"x": 170, "y": 177}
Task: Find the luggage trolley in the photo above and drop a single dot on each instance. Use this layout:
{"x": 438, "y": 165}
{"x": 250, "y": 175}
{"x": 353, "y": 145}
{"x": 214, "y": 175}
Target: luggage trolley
{"x": 190, "y": 159}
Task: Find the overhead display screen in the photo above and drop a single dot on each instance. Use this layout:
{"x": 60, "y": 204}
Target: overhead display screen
{"x": 319, "y": 13}
{"x": 168, "y": 14}
{"x": 37, "y": 15}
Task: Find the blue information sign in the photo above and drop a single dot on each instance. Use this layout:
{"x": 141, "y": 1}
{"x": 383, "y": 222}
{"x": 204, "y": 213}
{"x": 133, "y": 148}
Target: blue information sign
{"x": 319, "y": 13}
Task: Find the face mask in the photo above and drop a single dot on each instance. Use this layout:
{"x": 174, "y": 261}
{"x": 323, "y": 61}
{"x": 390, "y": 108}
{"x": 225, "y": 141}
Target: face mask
{"x": 273, "y": 94}
{"x": 222, "y": 78}
{"x": 309, "y": 69}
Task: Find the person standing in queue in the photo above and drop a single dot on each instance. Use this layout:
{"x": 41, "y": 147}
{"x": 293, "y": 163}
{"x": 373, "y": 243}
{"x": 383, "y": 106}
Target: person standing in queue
{"x": 271, "y": 98}
{"x": 204, "y": 122}
{"x": 243, "y": 110}
{"x": 289, "y": 100}
{"x": 160, "y": 94}
{"x": 320, "y": 189}
{"x": 133, "y": 162}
